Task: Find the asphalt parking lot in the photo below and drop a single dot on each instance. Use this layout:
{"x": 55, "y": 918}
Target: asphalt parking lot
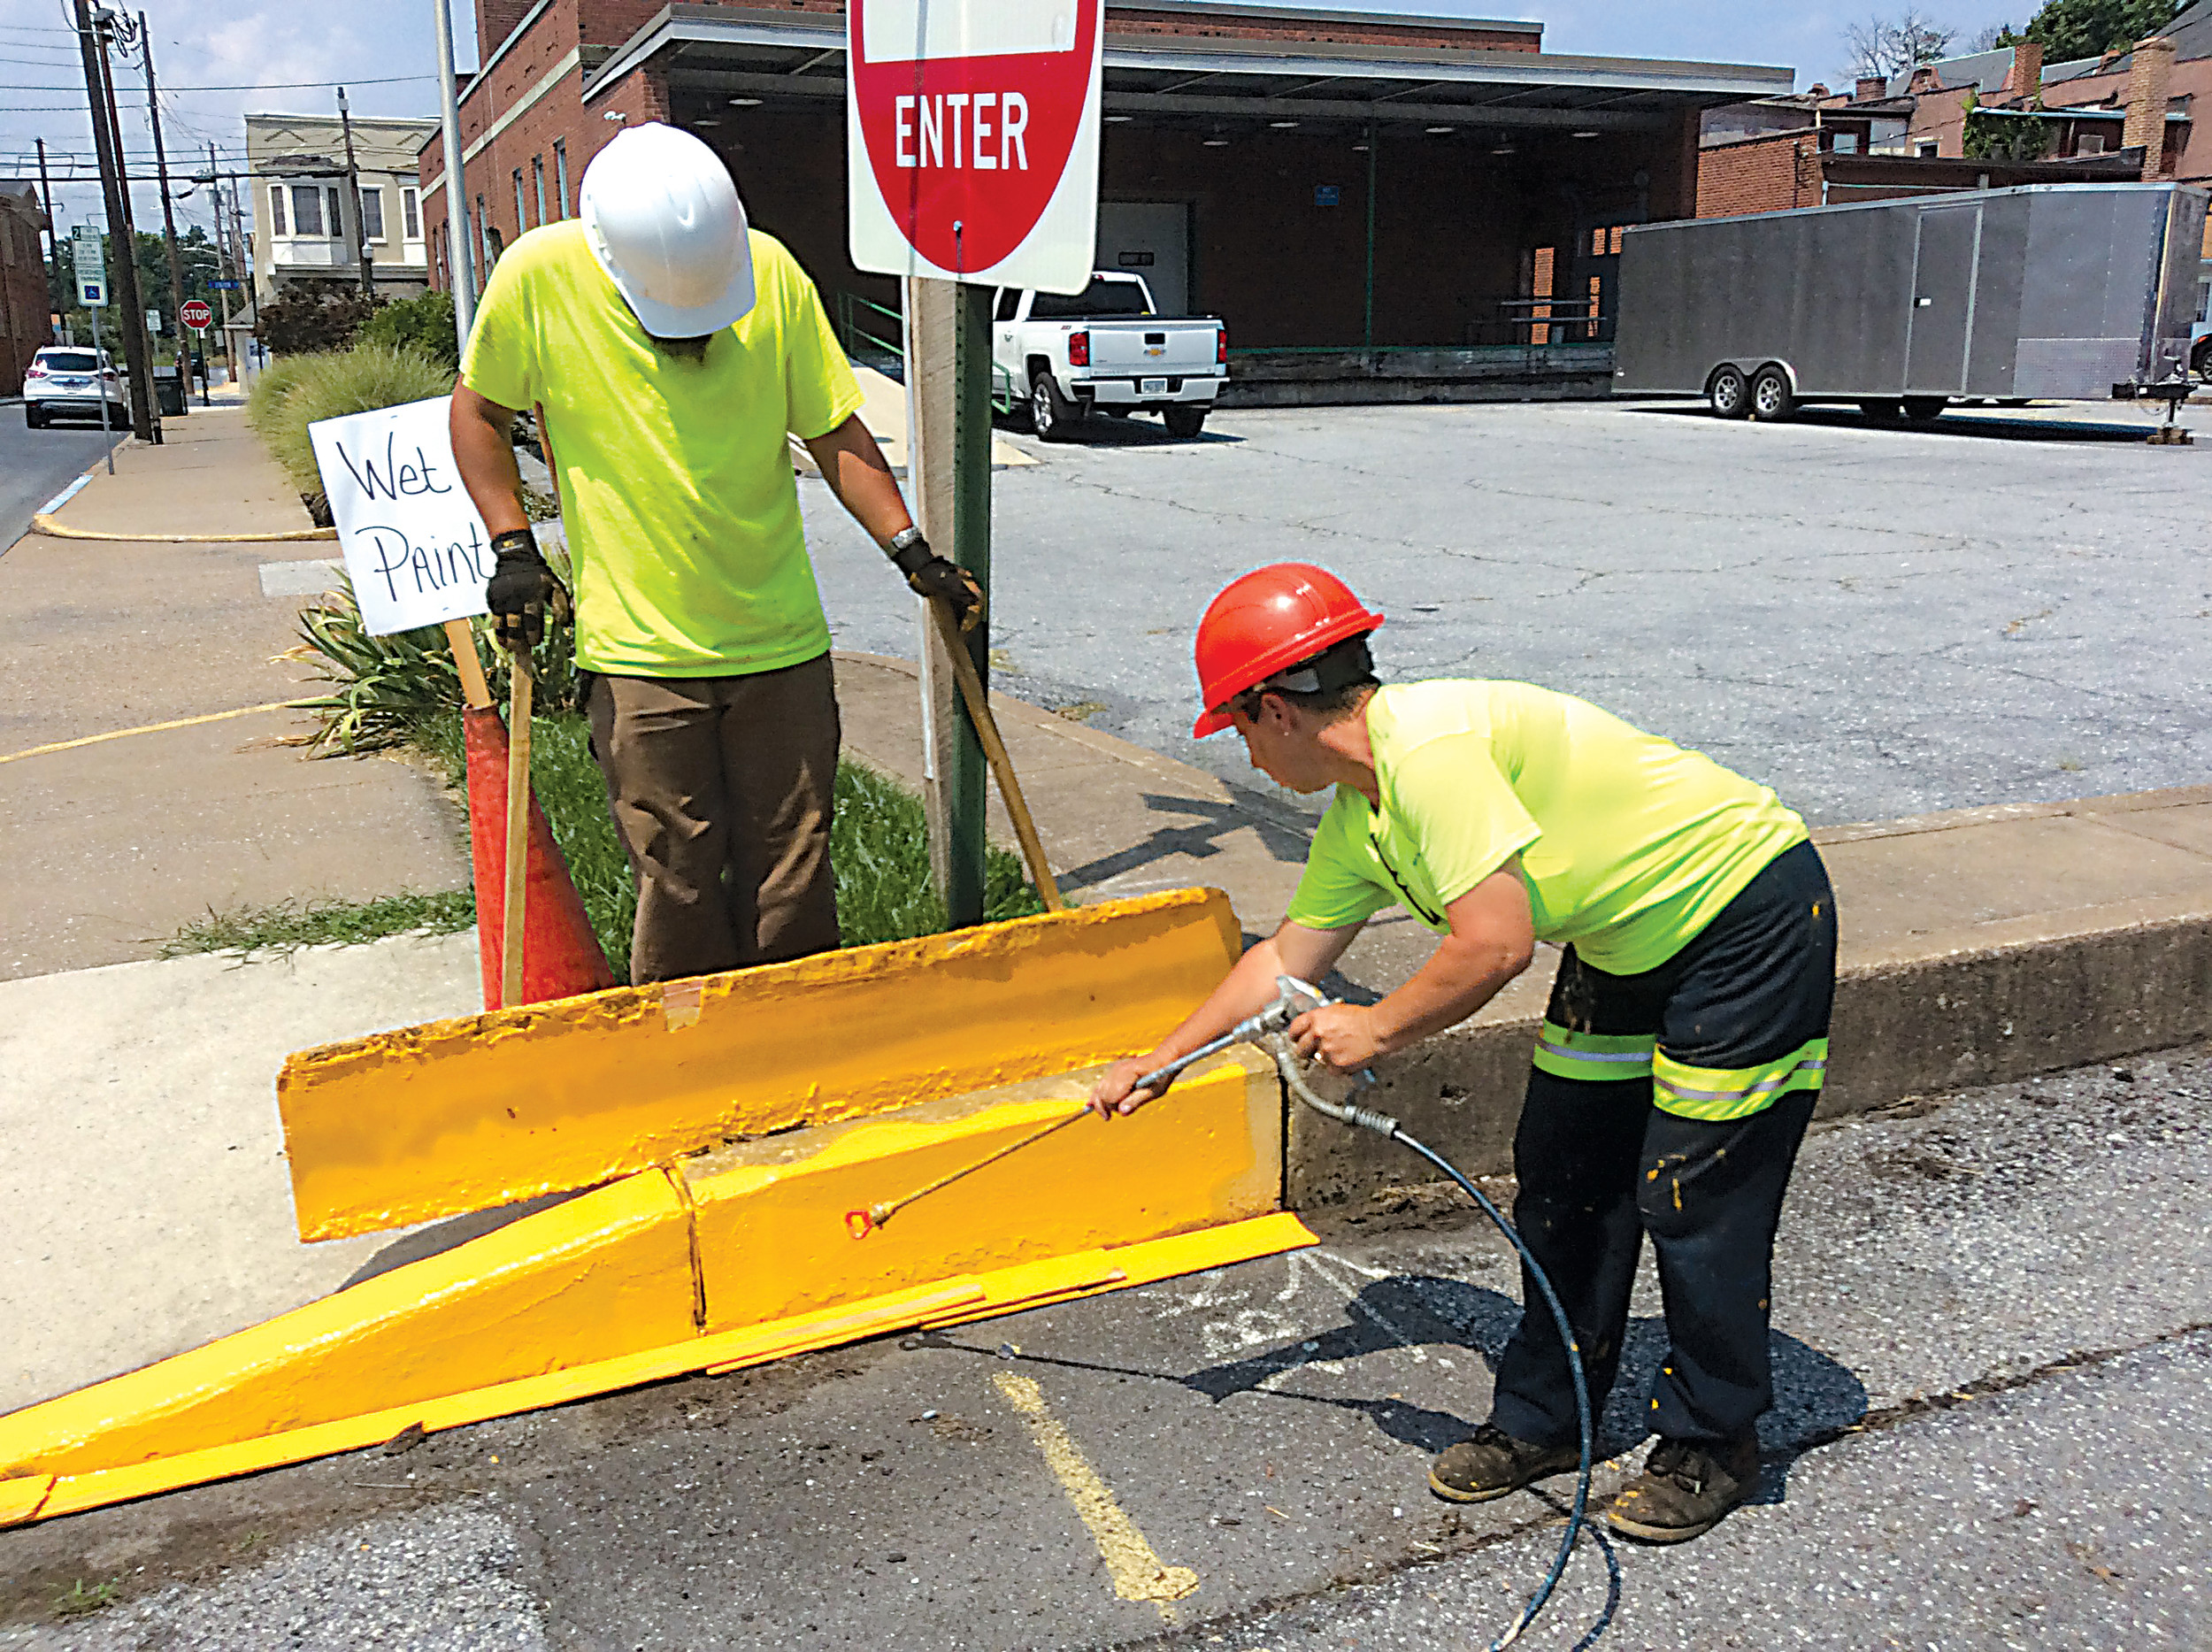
{"x": 2009, "y": 606}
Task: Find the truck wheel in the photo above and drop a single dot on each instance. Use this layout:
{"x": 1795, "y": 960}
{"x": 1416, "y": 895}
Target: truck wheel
{"x": 1771, "y": 398}
{"x": 1184, "y": 420}
{"x": 1883, "y": 410}
{"x": 1925, "y": 410}
{"x": 1051, "y": 414}
{"x": 1729, "y": 392}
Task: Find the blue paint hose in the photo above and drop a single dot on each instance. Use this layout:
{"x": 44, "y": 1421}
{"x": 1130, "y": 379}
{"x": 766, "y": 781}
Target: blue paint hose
{"x": 1287, "y": 1064}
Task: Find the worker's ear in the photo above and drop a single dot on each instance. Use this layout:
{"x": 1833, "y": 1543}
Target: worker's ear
{"x": 1277, "y": 713}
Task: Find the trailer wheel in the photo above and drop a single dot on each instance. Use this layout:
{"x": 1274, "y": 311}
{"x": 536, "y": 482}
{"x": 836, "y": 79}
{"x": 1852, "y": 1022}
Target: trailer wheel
{"x": 1771, "y": 398}
{"x": 1729, "y": 392}
{"x": 1925, "y": 410}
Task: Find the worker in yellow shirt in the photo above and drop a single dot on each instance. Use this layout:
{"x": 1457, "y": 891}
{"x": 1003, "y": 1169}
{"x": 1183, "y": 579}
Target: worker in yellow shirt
{"x": 1686, "y": 1038}
{"x": 670, "y": 351}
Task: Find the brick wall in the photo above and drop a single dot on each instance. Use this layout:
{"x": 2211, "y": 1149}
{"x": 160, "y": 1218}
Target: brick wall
{"x": 23, "y": 312}
{"x": 1764, "y": 174}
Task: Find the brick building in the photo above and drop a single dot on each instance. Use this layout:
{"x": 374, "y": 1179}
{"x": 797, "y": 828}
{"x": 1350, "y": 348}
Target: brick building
{"x": 1322, "y": 181}
{"x": 24, "y": 320}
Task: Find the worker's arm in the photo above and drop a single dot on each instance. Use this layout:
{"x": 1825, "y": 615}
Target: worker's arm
{"x": 1294, "y": 949}
{"x": 522, "y": 592}
{"x": 854, "y": 468}
{"x": 484, "y": 451}
{"x": 1491, "y": 939}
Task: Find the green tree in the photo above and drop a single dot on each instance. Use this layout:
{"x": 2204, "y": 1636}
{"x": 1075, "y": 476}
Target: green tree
{"x": 312, "y": 316}
{"x": 426, "y": 322}
{"x": 2070, "y": 29}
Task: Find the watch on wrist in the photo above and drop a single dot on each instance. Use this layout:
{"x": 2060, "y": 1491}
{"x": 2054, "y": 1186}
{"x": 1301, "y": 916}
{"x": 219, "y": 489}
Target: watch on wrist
{"x": 908, "y": 550}
{"x": 515, "y": 542}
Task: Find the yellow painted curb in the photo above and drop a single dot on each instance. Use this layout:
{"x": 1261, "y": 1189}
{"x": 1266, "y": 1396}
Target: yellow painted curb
{"x": 52, "y": 529}
{"x": 467, "y": 1115}
{"x": 600, "y": 1293}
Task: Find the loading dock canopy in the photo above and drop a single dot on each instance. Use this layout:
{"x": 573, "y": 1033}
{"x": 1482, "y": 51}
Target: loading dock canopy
{"x": 793, "y": 57}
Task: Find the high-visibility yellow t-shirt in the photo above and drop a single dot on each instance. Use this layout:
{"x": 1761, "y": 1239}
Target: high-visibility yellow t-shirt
{"x": 1629, "y": 844}
{"x": 676, "y": 483}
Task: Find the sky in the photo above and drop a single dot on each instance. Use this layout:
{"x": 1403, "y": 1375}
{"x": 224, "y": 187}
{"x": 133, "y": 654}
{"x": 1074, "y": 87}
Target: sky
{"x": 217, "y": 60}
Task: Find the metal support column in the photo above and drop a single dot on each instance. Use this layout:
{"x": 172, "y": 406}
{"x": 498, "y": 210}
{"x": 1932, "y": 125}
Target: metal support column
{"x": 1370, "y": 335}
{"x": 967, "y": 792}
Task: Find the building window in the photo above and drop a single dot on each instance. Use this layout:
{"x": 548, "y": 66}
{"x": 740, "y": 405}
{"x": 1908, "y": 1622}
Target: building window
{"x": 1846, "y": 143}
{"x": 372, "y": 214}
{"x": 521, "y": 221}
{"x": 537, "y": 179}
{"x": 337, "y": 215}
{"x": 483, "y": 242}
{"x": 276, "y": 211}
{"x": 1927, "y": 150}
{"x": 2090, "y": 143}
{"x": 410, "y": 213}
{"x": 560, "y": 173}
{"x": 307, "y": 209}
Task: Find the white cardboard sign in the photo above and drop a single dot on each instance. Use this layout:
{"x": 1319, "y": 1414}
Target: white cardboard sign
{"x": 415, "y": 549}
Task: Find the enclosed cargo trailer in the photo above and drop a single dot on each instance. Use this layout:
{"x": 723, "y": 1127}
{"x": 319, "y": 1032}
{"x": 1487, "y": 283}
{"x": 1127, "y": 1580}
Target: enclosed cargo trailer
{"x": 2065, "y": 291}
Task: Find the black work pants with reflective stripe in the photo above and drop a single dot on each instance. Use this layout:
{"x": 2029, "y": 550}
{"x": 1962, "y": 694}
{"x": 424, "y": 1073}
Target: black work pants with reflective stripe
{"x": 1600, "y": 1165}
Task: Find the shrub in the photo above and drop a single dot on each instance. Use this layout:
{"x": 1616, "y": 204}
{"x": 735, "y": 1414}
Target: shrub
{"x": 314, "y": 317}
{"x": 426, "y": 323}
{"x": 296, "y": 394}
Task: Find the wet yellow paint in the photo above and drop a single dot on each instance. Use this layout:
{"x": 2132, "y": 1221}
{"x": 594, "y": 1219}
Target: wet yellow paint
{"x": 458, "y": 1115}
{"x": 1138, "y": 1572}
{"x": 715, "y": 1263}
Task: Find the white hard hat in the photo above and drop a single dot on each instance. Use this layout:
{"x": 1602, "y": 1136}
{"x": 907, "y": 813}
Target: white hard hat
{"x": 666, "y": 224}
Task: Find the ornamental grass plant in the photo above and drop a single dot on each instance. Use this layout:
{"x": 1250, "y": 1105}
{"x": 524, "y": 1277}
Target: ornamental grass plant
{"x": 300, "y": 390}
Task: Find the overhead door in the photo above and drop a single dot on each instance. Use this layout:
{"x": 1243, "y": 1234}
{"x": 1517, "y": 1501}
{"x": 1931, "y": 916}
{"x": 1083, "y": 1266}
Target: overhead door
{"x": 1151, "y": 239}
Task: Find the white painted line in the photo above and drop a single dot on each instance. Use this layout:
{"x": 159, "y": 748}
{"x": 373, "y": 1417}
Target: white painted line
{"x": 64, "y": 495}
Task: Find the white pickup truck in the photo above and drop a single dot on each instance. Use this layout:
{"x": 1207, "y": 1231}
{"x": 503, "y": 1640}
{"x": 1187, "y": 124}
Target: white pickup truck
{"x": 1105, "y": 347}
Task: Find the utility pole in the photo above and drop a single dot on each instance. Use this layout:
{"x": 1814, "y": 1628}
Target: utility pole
{"x": 108, "y": 143}
{"x": 460, "y": 268}
{"x": 53, "y": 230}
{"x": 222, "y": 256}
{"x": 168, "y": 223}
{"x": 353, "y": 194}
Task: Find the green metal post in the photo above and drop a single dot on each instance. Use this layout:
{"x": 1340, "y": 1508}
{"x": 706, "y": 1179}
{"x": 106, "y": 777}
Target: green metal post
{"x": 1370, "y": 235}
{"x": 967, "y": 786}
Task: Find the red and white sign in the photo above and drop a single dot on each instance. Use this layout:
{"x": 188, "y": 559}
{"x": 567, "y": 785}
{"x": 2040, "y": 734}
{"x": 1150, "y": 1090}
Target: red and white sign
{"x": 197, "y": 315}
{"x": 971, "y": 140}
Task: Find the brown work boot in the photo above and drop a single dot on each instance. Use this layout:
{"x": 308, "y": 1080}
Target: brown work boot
{"x": 1494, "y": 1462}
{"x": 1687, "y": 1487}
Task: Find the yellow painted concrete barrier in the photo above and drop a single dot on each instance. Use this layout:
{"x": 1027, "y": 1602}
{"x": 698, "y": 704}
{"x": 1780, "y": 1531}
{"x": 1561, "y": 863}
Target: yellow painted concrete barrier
{"x": 712, "y": 1263}
{"x": 467, "y": 1115}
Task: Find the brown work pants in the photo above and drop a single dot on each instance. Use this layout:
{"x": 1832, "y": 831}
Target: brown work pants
{"x": 721, "y": 790}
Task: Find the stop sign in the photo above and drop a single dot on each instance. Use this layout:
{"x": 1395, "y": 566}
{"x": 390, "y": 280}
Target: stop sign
{"x": 973, "y": 139}
{"x": 196, "y": 315}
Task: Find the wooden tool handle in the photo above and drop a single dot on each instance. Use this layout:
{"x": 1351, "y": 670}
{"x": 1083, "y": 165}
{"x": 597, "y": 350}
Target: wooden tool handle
{"x": 513, "y": 915}
{"x": 994, "y": 748}
{"x": 460, "y": 636}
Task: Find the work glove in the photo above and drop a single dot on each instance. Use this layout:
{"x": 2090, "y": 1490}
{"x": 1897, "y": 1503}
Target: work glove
{"x": 523, "y": 591}
{"x": 930, "y": 577}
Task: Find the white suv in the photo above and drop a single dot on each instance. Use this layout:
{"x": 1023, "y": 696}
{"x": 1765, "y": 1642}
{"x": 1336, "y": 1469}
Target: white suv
{"x": 69, "y": 381}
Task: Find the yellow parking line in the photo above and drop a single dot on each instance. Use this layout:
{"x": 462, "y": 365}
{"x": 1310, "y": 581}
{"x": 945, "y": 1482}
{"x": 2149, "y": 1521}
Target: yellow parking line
{"x": 149, "y": 729}
{"x": 1138, "y": 1572}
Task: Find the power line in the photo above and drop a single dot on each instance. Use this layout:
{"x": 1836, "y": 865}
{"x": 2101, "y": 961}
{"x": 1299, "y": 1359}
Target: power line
{"x": 260, "y": 85}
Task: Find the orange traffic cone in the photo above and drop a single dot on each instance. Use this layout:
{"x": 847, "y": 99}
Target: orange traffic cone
{"x": 562, "y": 956}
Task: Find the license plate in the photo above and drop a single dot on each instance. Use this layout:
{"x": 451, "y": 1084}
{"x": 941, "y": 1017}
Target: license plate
{"x": 1152, "y": 387}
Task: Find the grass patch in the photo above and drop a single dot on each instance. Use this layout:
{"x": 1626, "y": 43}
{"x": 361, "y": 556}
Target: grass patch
{"x": 81, "y": 1600}
{"x": 879, "y": 844}
{"x": 298, "y": 390}
{"x": 288, "y": 926}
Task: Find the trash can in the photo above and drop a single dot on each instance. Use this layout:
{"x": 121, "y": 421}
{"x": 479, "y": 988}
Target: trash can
{"x": 169, "y": 395}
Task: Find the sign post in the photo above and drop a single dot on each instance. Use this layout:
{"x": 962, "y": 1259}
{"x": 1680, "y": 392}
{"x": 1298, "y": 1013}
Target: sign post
{"x": 973, "y": 138}
{"x": 199, "y": 315}
{"x": 88, "y": 260}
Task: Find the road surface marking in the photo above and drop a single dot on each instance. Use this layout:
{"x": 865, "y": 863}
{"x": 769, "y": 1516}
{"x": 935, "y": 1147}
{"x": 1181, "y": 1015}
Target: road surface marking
{"x": 63, "y": 496}
{"x": 150, "y": 728}
{"x": 1138, "y": 1572}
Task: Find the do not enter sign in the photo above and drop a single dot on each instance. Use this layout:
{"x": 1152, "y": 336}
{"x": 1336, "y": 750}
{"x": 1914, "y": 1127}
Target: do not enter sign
{"x": 973, "y": 139}
{"x": 196, "y": 314}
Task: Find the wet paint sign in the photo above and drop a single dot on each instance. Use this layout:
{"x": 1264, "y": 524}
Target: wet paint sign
{"x": 973, "y": 139}
{"x": 415, "y": 549}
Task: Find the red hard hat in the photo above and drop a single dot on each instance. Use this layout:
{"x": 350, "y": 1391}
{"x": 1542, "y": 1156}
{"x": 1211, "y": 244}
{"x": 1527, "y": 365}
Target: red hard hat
{"x": 1268, "y": 621}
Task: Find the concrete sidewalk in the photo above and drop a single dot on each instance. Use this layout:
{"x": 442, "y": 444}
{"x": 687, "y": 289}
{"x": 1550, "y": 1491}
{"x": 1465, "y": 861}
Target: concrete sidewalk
{"x": 107, "y": 848}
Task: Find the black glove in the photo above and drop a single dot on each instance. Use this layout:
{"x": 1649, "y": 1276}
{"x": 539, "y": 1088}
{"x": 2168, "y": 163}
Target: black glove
{"x": 523, "y": 591}
{"x": 929, "y": 575}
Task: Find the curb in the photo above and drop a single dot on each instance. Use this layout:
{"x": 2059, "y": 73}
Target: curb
{"x": 2126, "y": 979}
